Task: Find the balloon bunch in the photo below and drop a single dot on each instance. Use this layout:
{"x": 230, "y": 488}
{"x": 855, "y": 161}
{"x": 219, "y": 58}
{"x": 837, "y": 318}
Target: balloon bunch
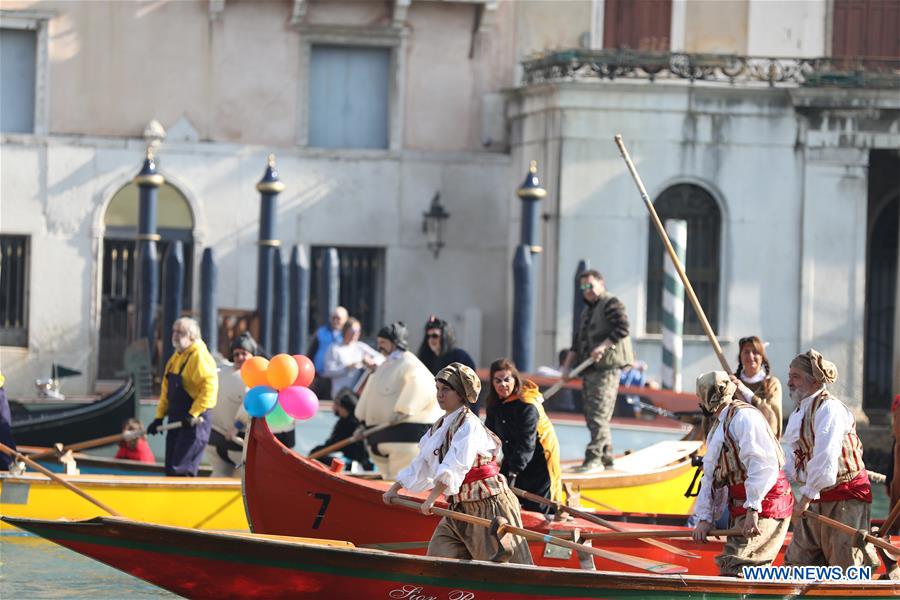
{"x": 279, "y": 388}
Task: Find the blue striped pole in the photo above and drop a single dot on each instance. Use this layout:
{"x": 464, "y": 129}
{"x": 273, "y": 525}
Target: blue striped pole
{"x": 673, "y": 307}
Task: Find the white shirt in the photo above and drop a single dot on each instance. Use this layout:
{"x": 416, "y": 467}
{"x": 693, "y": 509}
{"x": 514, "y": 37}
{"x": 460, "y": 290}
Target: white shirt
{"x": 230, "y": 400}
{"x": 470, "y": 440}
{"x": 832, "y": 422}
{"x": 756, "y": 451}
{"x": 341, "y": 363}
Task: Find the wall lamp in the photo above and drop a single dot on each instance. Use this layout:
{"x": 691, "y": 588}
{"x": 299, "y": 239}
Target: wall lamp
{"x": 433, "y": 224}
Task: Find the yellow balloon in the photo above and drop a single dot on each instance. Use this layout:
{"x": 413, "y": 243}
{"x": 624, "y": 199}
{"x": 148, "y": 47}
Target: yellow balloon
{"x": 282, "y": 371}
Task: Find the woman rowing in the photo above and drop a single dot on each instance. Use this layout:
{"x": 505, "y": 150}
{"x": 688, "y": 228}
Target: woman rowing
{"x": 458, "y": 458}
{"x": 516, "y": 414}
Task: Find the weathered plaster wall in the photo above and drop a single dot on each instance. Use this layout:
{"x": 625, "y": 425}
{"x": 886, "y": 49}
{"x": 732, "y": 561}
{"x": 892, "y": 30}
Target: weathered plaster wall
{"x": 55, "y": 192}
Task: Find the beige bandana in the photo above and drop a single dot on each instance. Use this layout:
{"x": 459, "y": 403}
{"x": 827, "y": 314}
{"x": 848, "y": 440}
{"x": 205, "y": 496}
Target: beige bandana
{"x": 714, "y": 389}
{"x": 814, "y": 364}
{"x": 462, "y": 379}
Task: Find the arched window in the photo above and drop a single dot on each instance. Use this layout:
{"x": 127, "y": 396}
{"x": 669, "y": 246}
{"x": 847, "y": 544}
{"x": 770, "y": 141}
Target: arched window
{"x": 175, "y": 222}
{"x": 704, "y": 222}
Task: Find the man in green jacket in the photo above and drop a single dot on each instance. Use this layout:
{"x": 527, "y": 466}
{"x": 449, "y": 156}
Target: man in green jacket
{"x": 602, "y": 335}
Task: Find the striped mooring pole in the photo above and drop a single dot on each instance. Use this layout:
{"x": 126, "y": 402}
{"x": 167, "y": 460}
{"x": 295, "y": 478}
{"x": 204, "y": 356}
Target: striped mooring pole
{"x": 673, "y": 307}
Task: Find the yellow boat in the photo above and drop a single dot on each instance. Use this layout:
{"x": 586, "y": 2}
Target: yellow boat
{"x": 198, "y": 503}
{"x": 650, "y": 480}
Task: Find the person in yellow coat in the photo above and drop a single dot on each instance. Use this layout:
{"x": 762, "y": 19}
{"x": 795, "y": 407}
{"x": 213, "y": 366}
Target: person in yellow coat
{"x": 189, "y": 389}
{"x": 516, "y": 414}
{"x": 5, "y": 427}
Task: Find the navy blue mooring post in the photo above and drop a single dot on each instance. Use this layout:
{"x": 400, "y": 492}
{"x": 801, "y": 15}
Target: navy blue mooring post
{"x": 578, "y": 302}
{"x": 174, "y": 293}
{"x": 148, "y": 182}
{"x": 329, "y": 284}
{"x": 525, "y": 272}
{"x": 268, "y": 187}
{"x": 209, "y": 308}
{"x": 279, "y": 303}
{"x": 523, "y": 309}
{"x": 299, "y": 309}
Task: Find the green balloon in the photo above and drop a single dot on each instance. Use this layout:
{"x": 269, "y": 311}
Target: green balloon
{"x": 278, "y": 419}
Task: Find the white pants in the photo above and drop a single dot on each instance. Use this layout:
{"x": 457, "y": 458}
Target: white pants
{"x": 222, "y": 468}
{"x": 398, "y": 456}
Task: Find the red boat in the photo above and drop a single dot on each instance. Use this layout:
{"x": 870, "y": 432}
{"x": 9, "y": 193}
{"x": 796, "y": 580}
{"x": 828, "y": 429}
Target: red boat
{"x": 287, "y": 494}
{"x": 217, "y": 565}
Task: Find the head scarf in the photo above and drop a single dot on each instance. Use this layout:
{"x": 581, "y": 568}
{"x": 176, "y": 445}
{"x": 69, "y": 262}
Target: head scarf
{"x": 814, "y": 364}
{"x": 395, "y": 333}
{"x": 714, "y": 389}
{"x": 246, "y": 342}
{"x": 462, "y": 379}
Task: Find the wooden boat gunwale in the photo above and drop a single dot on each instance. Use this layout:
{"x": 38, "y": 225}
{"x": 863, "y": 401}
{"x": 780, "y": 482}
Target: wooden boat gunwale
{"x": 193, "y": 549}
{"x": 126, "y": 481}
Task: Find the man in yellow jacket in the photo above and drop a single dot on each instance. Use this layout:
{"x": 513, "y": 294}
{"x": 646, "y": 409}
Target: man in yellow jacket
{"x": 189, "y": 389}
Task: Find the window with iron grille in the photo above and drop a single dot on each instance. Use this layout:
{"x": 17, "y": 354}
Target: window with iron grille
{"x": 13, "y": 290}
{"x": 361, "y": 276}
{"x": 704, "y": 223}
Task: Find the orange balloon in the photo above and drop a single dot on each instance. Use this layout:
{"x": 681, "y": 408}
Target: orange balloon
{"x": 282, "y": 371}
{"x": 306, "y": 372}
{"x": 253, "y": 371}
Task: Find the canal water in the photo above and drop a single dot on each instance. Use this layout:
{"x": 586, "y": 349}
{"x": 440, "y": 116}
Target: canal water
{"x": 33, "y": 568}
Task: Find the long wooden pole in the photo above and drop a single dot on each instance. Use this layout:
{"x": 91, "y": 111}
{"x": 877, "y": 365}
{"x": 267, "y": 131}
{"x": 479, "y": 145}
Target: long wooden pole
{"x": 575, "y": 372}
{"x": 656, "y": 533}
{"x": 352, "y": 439}
{"x": 633, "y": 561}
{"x": 559, "y": 507}
{"x": 96, "y": 442}
{"x": 672, "y": 255}
{"x": 57, "y": 478}
{"x": 849, "y": 530}
{"x": 889, "y": 521}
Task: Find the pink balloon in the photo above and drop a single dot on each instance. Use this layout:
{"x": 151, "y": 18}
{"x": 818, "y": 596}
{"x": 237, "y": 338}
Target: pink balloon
{"x": 299, "y": 402}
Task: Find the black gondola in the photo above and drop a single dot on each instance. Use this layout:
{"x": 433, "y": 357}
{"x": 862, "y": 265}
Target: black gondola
{"x": 68, "y": 425}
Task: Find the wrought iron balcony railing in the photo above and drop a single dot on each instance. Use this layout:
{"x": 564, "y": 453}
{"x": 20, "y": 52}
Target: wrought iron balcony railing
{"x": 719, "y": 68}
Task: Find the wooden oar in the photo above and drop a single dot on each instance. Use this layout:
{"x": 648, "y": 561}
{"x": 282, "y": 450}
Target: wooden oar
{"x": 101, "y": 441}
{"x": 574, "y": 373}
{"x": 57, "y": 478}
{"x": 632, "y": 561}
{"x": 849, "y": 530}
{"x": 890, "y": 520}
{"x": 559, "y": 507}
{"x": 235, "y": 439}
{"x": 352, "y": 439}
{"x": 701, "y": 316}
{"x": 657, "y": 533}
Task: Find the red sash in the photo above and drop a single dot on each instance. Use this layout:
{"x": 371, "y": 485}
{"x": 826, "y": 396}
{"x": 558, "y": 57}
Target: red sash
{"x": 857, "y": 488}
{"x": 483, "y": 472}
{"x": 777, "y": 504}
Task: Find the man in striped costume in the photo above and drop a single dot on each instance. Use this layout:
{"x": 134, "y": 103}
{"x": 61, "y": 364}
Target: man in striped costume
{"x": 743, "y": 458}
{"x": 828, "y": 467}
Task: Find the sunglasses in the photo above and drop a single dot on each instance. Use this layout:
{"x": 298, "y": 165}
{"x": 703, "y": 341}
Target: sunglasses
{"x": 586, "y": 286}
{"x": 433, "y": 336}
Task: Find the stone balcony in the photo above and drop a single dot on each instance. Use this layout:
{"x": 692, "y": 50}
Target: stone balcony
{"x": 580, "y": 64}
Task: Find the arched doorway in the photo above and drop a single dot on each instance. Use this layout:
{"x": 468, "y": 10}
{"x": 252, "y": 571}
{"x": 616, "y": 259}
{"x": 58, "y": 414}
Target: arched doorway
{"x": 704, "y": 233}
{"x": 882, "y": 317}
{"x": 175, "y": 222}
